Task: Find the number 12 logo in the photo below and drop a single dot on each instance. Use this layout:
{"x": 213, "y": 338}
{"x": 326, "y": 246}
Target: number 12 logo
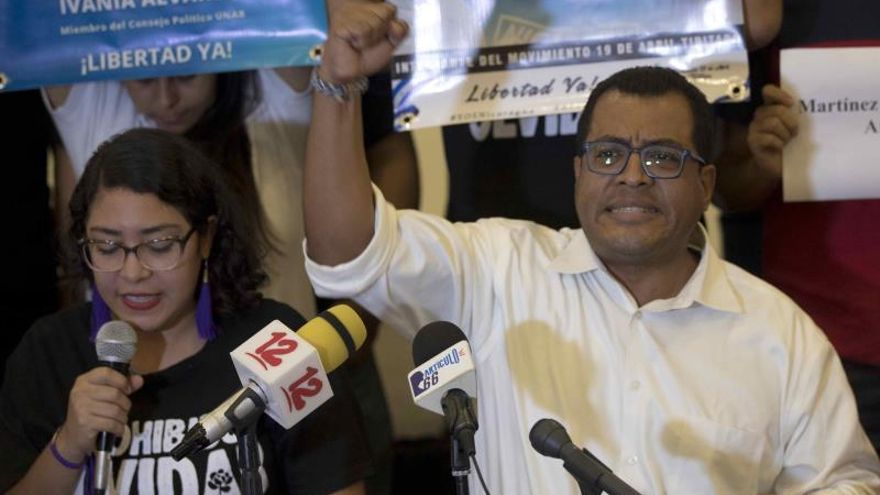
{"x": 267, "y": 354}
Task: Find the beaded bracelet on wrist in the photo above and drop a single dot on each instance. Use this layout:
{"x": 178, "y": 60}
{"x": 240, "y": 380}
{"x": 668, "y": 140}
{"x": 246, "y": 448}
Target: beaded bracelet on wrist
{"x": 340, "y": 92}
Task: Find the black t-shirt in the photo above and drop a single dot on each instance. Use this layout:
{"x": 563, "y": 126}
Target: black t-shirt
{"x": 517, "y": 168}
{"x": 323, "y": 453}
{"x": 816, "y": 21}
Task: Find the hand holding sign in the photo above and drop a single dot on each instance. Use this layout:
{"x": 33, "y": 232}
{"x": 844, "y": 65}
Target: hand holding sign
{"x": 773, "y": 126}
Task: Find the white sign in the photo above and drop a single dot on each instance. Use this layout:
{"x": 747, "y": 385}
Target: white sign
{"x": 476, "y": 60}
{"x": 836, "y": 154}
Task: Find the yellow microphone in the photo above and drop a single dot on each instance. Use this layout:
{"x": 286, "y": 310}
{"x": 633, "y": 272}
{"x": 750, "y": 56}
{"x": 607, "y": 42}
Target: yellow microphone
{"x": 284, "y": 374}
{"x": 336, "y": 334}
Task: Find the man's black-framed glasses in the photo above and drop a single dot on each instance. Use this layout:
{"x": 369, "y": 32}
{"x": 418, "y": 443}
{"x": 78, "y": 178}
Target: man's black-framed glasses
{"x": 159, "y": 254}
{"x": 658, "y": 161}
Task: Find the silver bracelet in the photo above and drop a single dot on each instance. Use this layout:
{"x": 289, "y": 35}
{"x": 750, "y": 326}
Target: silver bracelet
{"x": 339, "y": 92}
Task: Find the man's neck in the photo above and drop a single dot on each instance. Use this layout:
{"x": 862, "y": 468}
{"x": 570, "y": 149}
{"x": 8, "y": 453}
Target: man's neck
{"x": 651, "y": 281}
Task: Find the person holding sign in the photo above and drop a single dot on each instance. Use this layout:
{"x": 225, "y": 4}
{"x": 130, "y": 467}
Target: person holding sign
{"x": 822, "y": 253}
{"x": 681, "y": 372}
{"x": 169, "y": 250}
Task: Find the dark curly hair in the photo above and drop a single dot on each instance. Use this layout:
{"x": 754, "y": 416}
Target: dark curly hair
{"x": 656, "y": 81}
{"x": 157, "y": 162}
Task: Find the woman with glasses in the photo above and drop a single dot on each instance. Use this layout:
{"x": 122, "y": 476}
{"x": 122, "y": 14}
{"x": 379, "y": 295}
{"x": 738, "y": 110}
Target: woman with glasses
{"x": 168, "y": 249}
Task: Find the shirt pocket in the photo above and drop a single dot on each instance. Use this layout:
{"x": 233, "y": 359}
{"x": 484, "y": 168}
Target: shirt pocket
{"x": 706, "y": 457}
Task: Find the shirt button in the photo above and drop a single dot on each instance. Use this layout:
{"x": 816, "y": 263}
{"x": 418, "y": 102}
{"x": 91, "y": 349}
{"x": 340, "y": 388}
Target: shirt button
{"x": 633, "y": 460}
{"x": 634, "y": 385}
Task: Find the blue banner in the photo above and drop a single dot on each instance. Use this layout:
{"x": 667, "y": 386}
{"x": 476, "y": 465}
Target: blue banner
{"x": 70, "y": 41}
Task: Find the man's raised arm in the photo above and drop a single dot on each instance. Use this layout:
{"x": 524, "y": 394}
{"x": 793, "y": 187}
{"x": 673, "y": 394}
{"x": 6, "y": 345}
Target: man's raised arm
{"x": 337, "y": 193}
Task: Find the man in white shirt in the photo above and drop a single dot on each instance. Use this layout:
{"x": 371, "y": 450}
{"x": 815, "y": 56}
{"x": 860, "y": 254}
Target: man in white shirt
{"x": 681, "y": 372}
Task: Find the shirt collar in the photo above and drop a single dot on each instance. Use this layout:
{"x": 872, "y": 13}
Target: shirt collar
{"x": 709, "y": 285}
{"x": 577, "y": 257}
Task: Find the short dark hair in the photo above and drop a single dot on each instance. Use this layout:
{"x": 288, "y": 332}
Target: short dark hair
{"x": 158, "y": 162}
{"x": 656, "y": 81}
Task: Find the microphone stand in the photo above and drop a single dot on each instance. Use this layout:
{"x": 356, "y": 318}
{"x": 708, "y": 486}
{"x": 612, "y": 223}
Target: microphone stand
{"x": 598, "y": 478}
{"x": 462, "y": 424}
{"x": 243, "y": 421}
{"x": 249, "y": 458}
{"x": 587, "y": 489}
{"x": 461, "y": 467}
{"x": 549, "y": 438}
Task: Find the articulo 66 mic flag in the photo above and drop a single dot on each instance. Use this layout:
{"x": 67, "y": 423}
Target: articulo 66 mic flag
{"x": 454, "y": 367}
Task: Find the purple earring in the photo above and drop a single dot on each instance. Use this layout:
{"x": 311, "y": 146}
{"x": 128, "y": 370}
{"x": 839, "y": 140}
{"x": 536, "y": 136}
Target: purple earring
{"x": 204, "y": 309}
{"x": 100, "y": 312}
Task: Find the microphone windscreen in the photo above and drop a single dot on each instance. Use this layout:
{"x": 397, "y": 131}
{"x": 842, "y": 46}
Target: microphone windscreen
{"x": 116, "y": 342}
{"x": 548, "y": 437}
{"x": 336, "y": 333}
{"x": 433, "y": 339}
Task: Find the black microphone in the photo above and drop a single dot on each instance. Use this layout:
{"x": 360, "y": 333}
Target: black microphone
{"x": 549, "y": 438}
{"x": 434, "y": 345}
{"x": 115, "y": 344}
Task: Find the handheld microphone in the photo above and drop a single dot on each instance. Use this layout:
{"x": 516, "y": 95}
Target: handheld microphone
{"x": 444, "y": 380}
{"x": 549, "y": 438}
{"x": 284, "y": 374}
{"x": 115, "y": 345}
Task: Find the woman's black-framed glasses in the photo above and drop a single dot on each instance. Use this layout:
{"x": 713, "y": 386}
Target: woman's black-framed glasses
{"x": 159, "y": 254}
{"x": 657, "y": 160}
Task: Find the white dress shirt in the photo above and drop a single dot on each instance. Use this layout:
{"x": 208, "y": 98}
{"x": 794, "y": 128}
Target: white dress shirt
{"x": 727, "y": 388}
